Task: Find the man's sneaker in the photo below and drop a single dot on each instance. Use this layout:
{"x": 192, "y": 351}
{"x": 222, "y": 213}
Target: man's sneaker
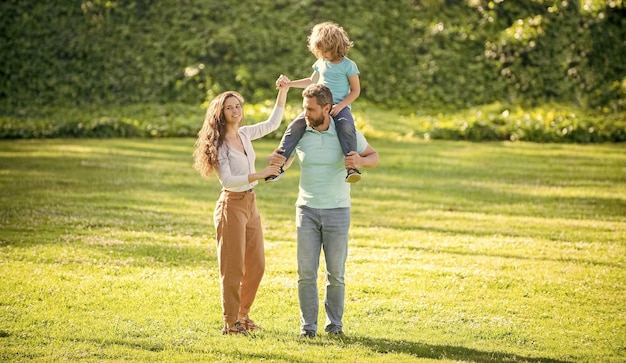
{"x": 273, "y": 178}
{"x": 249, "y": 324}
{"x": 354, "y": 175}
{"x": 236, "y": 328}
{"x": 334, "y": 330}
{"x": 307, "y": 334}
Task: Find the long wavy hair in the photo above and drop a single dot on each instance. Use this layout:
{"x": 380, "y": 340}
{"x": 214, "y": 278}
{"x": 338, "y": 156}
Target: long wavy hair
{"x": 329, "y": 37}
{"x": 211, "y": 135}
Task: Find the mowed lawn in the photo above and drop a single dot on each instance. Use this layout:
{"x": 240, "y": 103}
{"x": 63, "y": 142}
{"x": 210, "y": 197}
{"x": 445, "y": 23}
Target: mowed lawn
{"x": 471, "y": 252}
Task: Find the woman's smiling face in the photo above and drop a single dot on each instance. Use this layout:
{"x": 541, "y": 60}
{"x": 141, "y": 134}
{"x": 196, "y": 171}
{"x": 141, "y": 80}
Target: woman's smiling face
{"x": 233, "y": 112}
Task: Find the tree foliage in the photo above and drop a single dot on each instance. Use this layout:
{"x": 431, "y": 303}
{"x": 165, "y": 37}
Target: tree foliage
{"x": 422, "y": 54}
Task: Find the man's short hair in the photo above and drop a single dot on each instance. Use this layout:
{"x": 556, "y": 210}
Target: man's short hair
{"x": 320, "y": 92}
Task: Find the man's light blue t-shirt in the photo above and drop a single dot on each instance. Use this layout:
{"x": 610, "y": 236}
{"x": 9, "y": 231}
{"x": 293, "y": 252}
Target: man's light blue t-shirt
{"x": 322, "y": 169}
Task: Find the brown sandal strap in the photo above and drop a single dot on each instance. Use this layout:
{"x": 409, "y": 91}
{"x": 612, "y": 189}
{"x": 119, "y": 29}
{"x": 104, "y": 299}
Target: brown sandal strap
{"x": 236, "y": 328}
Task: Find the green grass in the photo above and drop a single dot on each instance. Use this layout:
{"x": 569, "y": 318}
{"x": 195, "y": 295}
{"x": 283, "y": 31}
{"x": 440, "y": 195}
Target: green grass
{"x": 473, "y": 252}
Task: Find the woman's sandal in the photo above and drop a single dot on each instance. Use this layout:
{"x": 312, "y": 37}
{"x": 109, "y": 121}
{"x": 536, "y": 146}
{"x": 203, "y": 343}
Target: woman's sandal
{"x": 236, "y": 328}
{"x": 248, "y": 324}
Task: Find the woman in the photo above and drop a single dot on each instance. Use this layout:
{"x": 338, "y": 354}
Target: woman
{"x": 225, "y": 147}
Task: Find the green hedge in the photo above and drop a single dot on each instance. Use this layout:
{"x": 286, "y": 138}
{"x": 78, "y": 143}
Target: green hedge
{"x": 146, "y": 120}
{"x": 540, "y": 124}
{"x": 548, "y": 123}
{"x": 418, "y": 54}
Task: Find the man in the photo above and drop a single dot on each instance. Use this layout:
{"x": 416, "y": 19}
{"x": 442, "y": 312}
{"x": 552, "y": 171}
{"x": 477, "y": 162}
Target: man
{"x": 323, "y": 209}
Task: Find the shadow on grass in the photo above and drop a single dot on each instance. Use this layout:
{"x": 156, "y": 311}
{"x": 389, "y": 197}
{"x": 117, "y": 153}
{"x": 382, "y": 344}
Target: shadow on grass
{"x": 526, "y": 180}
{"x": 168, "y": 255}
{"x": 377, "y": 346}
{"x": 421, "y": 350}
{"x": 519, "y": 257}
{"x": 155, "y": 347}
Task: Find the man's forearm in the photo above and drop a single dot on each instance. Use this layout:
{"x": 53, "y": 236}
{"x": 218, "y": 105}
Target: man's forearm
{"x": 370, "y": 160}
{"x": 367, "y": 159}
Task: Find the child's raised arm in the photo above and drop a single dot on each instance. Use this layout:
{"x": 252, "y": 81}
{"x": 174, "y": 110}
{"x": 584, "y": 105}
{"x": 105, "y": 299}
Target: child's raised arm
{"x": 304, "y": 82}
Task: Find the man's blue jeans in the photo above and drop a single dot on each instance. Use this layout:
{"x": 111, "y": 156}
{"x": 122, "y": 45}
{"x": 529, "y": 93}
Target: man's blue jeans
{"x": 319, "y": 229}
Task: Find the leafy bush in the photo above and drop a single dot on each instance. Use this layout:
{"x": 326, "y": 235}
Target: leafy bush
{"x": 426, "y": 54}
{"x": 104, "y": 68}
{"x": 172, "y": 120}
{"x": 549, "y": 123}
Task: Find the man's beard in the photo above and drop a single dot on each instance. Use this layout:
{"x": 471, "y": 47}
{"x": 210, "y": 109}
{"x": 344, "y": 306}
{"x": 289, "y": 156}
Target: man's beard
{"x": 314, "y": 122}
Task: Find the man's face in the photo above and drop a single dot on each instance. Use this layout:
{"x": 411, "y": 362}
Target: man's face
{"x": 314, "y": 114}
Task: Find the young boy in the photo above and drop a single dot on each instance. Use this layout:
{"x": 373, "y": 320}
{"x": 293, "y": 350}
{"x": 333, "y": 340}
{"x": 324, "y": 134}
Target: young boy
{"x": 330, "y": 44}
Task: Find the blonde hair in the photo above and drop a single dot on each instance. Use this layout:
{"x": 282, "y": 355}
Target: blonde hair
{"x": 211, "y": 135}
{"x": 329, "y": 37}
